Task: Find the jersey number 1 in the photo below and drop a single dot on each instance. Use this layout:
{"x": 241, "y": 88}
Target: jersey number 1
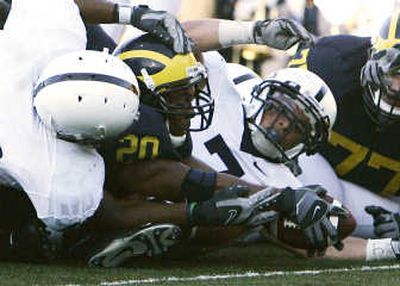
{"x": 217, "y": 145}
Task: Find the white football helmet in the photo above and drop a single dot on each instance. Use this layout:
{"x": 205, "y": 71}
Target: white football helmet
{"x": 244, "y": 80}
{"x": 285, "y": 91}
{"x": 87, "y": 96}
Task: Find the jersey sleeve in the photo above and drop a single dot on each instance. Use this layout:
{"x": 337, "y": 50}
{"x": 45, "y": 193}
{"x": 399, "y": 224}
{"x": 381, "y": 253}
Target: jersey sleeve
{"x": 46, "y": 27}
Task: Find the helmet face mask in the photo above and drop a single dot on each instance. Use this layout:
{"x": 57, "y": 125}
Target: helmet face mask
{"x": 383, "y": 103}
{"x": 296, "y": 121}
{"x": 382, "y": 106}
{"x": 187, "y": 102}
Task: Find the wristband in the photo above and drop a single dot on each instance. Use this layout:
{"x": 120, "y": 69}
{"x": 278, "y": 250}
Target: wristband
{"x": 232, "y": 33}
{"x": 123, "y": 14}
{"x": 198, "y": 185}
{"x": 378, "y": 249}
{"x": 177, "y": 141}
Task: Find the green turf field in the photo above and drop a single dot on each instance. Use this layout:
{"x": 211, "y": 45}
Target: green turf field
{"x": 255, "y": 265}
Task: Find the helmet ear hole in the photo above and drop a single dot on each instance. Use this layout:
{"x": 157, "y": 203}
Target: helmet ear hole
{"x": 80, "y": 96}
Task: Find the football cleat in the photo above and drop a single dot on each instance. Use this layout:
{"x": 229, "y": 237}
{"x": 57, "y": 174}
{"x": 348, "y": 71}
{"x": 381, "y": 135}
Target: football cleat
{"x": 151, "y": 240}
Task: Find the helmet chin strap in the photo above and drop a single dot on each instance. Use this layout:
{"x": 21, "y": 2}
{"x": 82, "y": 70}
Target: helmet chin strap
{"x": 176, "y": 141}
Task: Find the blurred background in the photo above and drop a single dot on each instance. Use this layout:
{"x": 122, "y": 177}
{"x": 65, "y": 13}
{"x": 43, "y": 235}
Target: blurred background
{"x": 320, "y": 17}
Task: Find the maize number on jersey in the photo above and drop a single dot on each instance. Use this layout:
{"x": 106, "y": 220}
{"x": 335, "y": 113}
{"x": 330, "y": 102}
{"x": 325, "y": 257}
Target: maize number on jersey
{"x": 358, "y": 154}
{"x": 146, "y": 147}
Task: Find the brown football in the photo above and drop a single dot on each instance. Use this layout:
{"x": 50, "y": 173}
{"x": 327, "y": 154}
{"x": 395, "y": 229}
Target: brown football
{"x": 289, "y": 233}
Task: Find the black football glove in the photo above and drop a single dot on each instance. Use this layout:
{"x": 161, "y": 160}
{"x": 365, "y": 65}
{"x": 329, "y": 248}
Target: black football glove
{"x": 4, "y": 10}
{"x": 164, "y": 26}
{"x": 281, "y": 33}
{"x": 386, "y": 223}
{"x": 232, "y": 206}
{"x": 305, "y": 207}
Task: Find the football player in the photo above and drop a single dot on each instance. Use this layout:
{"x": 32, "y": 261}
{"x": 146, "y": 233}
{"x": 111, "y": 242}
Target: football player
{"x": 64, "y": 180}
{"x": 261, "y": 127}
{"x": 261, "y": 123}
{"x": 362, "y": 73}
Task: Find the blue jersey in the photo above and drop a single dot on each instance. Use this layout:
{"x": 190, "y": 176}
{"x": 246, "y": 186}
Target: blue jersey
{"x": 360, "y": 151}
{"x": 146, "y": 139}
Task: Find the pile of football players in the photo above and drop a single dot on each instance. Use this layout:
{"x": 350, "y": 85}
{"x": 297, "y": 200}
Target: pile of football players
{"x": 161, "y": 147}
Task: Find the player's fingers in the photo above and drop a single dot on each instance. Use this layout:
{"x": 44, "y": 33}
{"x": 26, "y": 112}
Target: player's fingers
{"x": 339, "y": 245}
{"x": 320, "y": 191}
{"x": 331, "y": 232}
{"x": 382, "y": 219}
{"x": 375, "y": 210}
{"x": 338, "y": 211}
{"x": 309, "y": 237}
{"x": 315, "y": 239}
{"x": 385, "y": 229}
{"x": 320, "y": 240}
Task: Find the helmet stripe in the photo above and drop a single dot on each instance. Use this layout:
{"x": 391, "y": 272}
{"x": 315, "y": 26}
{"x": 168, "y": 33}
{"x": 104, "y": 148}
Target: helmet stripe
{"x": 145, "y": 54}
{"x": 243, "y": 78}
{"x": 321, "y": 93}
{"x": 393, "y": 28}
{"x": 85, "y": 77}
{"x": 176, "y": 68}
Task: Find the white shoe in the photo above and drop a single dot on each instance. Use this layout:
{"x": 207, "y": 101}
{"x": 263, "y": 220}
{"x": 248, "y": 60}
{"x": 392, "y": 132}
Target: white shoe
{"x": 150, "y": 240}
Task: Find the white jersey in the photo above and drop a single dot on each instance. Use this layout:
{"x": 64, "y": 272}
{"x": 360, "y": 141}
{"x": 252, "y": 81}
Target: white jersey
{"x": 63, "y": 180}
{"x": 220, "y": 145}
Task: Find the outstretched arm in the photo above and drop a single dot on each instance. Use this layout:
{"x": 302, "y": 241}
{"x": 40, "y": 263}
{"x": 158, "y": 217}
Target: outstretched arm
{"x": 97, "y": 11}
{"x": 280, "y": 33}
{"x": 159, "y": 23}
{"x": 168, "y": 179}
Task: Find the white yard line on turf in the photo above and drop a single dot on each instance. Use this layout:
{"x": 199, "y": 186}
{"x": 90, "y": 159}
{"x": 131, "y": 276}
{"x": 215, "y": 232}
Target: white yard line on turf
{"x": 249, "y": 275}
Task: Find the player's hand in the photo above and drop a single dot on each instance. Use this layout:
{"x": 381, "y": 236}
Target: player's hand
{"x": 281, "y": 33}
{"x": 306, "y": 208}
{"x": 386, "y": 223}
{"x": 372, "y": 74}
{"x": 164, "y": 26}
{"x": 232, "y": 206}
{"x": 4, "y": 10}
